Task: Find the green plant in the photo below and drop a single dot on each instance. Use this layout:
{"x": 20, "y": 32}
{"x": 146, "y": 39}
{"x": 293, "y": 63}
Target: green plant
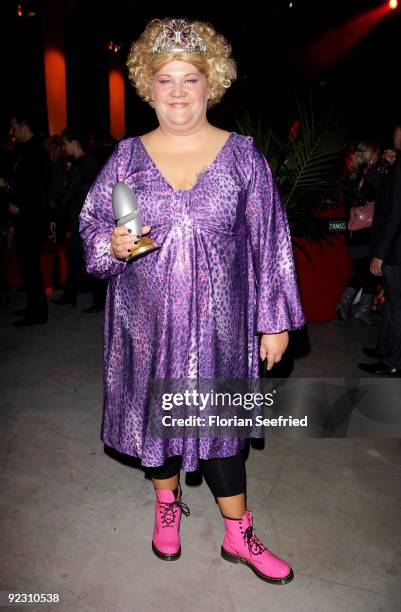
{"x": 307, "y": 166}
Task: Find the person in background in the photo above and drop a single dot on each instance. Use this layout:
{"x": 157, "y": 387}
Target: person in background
{"x": 7, "y": 161}
{"x": 29, "y": 210}
{"x": 102, "y": 146}
{"x": 363, "y": 172}
{"x": 79, "y": 178}
{"x": 58, "y": 218}
{"x": 385, "y": 251}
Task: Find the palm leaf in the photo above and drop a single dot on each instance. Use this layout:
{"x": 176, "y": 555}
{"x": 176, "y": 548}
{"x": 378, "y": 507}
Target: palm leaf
{"x": 307, "y": 167}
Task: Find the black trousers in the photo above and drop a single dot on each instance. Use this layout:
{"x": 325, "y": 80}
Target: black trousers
{"x": 28, "y": 246}
{"x": 389, "y": 341}
{"x": 225, "y": 476}
{"x": 98, "y": 288}
{"x": 362, "y": 277}
{"x": 3, "y": 265}
{"x": 75, "y": 258}
{"x": 76, "y": 269}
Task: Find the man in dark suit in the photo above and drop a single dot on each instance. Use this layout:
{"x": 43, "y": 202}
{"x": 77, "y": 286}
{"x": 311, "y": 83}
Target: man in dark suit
{"x": 28, "y": 206}
{"x": 79, "y": 179}
{"x": 385, "y": 251}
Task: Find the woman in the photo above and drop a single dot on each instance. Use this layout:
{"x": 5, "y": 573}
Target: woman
{"x": 364, "y": 173}
{"x": 219, "y": 293}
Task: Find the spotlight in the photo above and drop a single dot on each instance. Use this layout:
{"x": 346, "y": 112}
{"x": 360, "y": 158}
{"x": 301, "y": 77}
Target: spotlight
{"x": 393, "y": 4}
{"x": 114, "y": 47}
{"x": 24, "y": 9}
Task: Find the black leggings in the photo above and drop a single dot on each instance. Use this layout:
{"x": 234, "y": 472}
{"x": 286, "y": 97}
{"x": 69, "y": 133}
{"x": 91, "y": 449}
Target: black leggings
{"x": 225, "y": 476}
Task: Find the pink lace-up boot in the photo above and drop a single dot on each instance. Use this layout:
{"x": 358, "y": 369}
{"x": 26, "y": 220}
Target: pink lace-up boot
{"x": 166, "y": 542}
{"x": 240, "y": 545}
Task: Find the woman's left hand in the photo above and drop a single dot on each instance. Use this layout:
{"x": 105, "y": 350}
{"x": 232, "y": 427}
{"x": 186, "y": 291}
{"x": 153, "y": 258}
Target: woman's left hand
{"x": 272, "y": 347}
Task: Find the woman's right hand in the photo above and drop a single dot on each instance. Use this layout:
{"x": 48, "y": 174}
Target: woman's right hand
{"x": 123, "y": 241}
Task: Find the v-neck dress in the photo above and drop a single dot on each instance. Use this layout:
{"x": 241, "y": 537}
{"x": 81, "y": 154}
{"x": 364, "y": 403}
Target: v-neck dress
{"x": 194, "y": 308}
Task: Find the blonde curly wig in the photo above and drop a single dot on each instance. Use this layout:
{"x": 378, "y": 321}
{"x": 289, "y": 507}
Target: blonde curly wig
{"x": 216, "y": 63}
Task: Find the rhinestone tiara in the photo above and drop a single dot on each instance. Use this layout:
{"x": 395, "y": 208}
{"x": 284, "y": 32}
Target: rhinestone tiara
{"x": 178, "y": 36}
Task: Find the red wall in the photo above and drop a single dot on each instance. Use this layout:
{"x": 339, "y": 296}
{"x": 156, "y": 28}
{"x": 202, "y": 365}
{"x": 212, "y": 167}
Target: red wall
{"x": 323, "y": 272}
{"x": 322, "y": 280}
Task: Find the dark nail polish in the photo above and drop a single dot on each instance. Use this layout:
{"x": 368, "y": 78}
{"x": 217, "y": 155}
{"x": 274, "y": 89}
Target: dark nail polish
{"x": 129, "y": 250}
{"x": 137, "y": 237}
{"x": 129, "y": 230}
{"x": 136, "y": 241}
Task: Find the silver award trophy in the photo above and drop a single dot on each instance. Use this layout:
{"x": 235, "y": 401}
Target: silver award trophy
{"x": 127, "y": 214}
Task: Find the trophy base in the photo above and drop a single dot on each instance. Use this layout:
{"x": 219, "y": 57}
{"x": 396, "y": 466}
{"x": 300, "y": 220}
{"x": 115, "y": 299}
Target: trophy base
{"x": 146, "y": 245}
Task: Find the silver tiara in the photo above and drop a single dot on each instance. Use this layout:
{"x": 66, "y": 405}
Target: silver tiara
{"x": 178, "y": 36}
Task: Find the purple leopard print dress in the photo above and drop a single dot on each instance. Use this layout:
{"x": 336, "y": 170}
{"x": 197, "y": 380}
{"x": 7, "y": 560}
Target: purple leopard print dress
{"x": 193, "y": 308}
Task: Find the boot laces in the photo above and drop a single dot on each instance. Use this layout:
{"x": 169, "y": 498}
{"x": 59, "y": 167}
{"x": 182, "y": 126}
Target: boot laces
{"x": 255, "y": 546}
{"x": 168, "y": 511}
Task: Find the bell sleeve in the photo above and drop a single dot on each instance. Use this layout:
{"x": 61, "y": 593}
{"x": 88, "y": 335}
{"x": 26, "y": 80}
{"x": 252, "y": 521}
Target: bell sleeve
{"x": 278, "y": 304}
{"x": 96, "y": 224}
